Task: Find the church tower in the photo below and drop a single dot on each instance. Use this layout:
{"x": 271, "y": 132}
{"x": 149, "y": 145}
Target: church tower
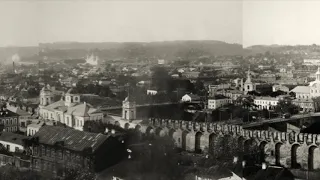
{"x": 129, "y": 111}
{"x": 46, "y": 96}
{"x": 248, "y": 84}
{"x": 72, "y": 97}
{"x": 318, "y": 74}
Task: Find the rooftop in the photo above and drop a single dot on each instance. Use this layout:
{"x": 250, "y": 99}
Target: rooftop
{"x": 301, "y": 89}
{"x": 12, "y": 138}
{"x": 266, "y": 98}
{"x": 72, "y": 139}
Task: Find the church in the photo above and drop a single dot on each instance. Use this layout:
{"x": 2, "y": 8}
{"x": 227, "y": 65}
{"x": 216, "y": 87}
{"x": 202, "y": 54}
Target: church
{"x": 68, "y": 110}
{"x": 311, "y": 91}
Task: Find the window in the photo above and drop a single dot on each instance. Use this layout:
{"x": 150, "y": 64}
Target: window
{"x": 60, "y": 154}
{"x": 11, "y": 121}
{"x": 8, "y": 147}
{"x": 36, "y": 163}
{"x": 48, "y": 152}
{"x": 52, "y": 153}
{"x": 43, "y": 150}
{"x": 17, "y": 149}
{"x": 35, "y": 150}
{"x": 67, "y": 155}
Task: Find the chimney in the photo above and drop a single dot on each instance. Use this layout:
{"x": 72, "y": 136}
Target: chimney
{"x": 264, "y": 166}
{"x": 243, "y": 163}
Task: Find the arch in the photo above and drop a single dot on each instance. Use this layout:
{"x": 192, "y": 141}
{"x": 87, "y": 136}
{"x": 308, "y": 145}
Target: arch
{"x": 277, "y": 154}
{"x": 311, "y": 162}
{"x": 184, "y": 140}
{"x": 212, "y": 138}
{"x": 117, "y": 123}
{"x": 240, "y": 145}
{"x": 250, "y": 150}
{"x": 149, "y": 130}
{"x": 158, "y": 131}
{"x": 227, "y": 145}
{"x": 294, "y": 162}
{"x": 197, "y": 147}
{"x": 126, "y": 126}
{"x": 262, "y": 151}
{"x": 171, "y": 131}
{"x": 138, "y": 127}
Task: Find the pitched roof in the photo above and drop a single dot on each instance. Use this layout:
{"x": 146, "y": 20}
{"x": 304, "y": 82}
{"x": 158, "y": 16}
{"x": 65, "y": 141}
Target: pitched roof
{"x": 79, "y": 110}
{"x": 301, "y": 89}
{"x": 73, "y": 139}
{"x": 18, "y": 111}
{"x": 193, "y": 97}
{"x": 12, "y": 137}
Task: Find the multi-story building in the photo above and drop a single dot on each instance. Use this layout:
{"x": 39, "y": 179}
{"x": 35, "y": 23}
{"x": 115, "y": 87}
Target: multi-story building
{"x": 311, "y": 91}
{"x": 266, "y": 102}
{"x": 9, "y": 120}
{"x": 69, "y": 110}
{"x": 56, "y": 149}
{"x": 218, "y": 101}
{"x": 306, "y": 105}
{"x": 311, "y": 62}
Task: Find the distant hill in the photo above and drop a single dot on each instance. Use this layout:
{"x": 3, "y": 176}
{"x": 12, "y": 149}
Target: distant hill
{"x": 7, "y": 52}
{"x": 130, "y": 50}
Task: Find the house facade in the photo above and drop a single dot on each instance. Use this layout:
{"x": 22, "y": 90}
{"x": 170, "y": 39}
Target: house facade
{"x": 56, "y": 149}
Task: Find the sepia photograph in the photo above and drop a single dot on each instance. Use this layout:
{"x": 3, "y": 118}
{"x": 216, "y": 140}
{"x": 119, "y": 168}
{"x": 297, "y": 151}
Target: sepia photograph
{"x": 159, "y": 90}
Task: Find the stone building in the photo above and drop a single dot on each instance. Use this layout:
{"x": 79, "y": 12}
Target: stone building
{"x": 69, "y": 110}
{"x": 56, "y": 149}
{"x": 9, "y": 120}
{"x": 248, "y": 84}
{"x": 129, "y": 111}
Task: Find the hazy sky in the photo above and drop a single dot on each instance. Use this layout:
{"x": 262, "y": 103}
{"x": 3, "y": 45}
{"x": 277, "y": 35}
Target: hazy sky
{"x": 28, "y": 23}
{"x": 247, "y": 22}
{"x": 281, "y": 22}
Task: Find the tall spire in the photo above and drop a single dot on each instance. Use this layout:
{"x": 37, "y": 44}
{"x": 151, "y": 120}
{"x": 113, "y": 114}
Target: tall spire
{"x": 318, "y": 74}
{"x": 248, "y": 76}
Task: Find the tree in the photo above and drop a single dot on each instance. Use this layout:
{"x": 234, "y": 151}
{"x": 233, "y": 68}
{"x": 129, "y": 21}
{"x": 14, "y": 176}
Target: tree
{"x": 79, "y": 173}
{"x": 160, "y": 78}
{"x": 13, "y": 173}
{"x": 286, "y": 106}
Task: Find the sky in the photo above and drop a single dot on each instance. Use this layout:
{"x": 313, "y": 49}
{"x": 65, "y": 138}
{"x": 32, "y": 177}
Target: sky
{"x": 248, "y": 22}
{"x": 285, "y": 22}
{"x": 33, "y": 22}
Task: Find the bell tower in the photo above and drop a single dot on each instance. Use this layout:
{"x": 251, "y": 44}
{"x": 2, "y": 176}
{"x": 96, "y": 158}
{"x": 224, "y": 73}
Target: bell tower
{"x": 249, "y": 85}
{"x": 129, "y": 111}
{"x": 46, "y": 96}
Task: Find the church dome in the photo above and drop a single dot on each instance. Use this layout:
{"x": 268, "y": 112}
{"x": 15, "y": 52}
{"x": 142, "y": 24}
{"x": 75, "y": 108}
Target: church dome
{"x": 72, "y": 91}
{"x": 129, "y": 98}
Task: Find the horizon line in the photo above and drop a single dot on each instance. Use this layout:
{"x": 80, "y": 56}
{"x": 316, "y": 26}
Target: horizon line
{"x": 159, "y": 41}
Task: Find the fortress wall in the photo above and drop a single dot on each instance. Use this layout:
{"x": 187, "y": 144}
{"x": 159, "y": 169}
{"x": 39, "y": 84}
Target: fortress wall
{"x": 293, "y": 150}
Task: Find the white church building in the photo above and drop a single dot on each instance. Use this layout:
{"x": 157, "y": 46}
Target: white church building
{"x": 311, "y": 91}
{"x": 68, "y": 110}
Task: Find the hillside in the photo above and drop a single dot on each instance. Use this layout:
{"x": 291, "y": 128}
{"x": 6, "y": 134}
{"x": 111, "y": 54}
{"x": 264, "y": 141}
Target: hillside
{"x": 169, "y": 50}
{"x": 7, "y": 52}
